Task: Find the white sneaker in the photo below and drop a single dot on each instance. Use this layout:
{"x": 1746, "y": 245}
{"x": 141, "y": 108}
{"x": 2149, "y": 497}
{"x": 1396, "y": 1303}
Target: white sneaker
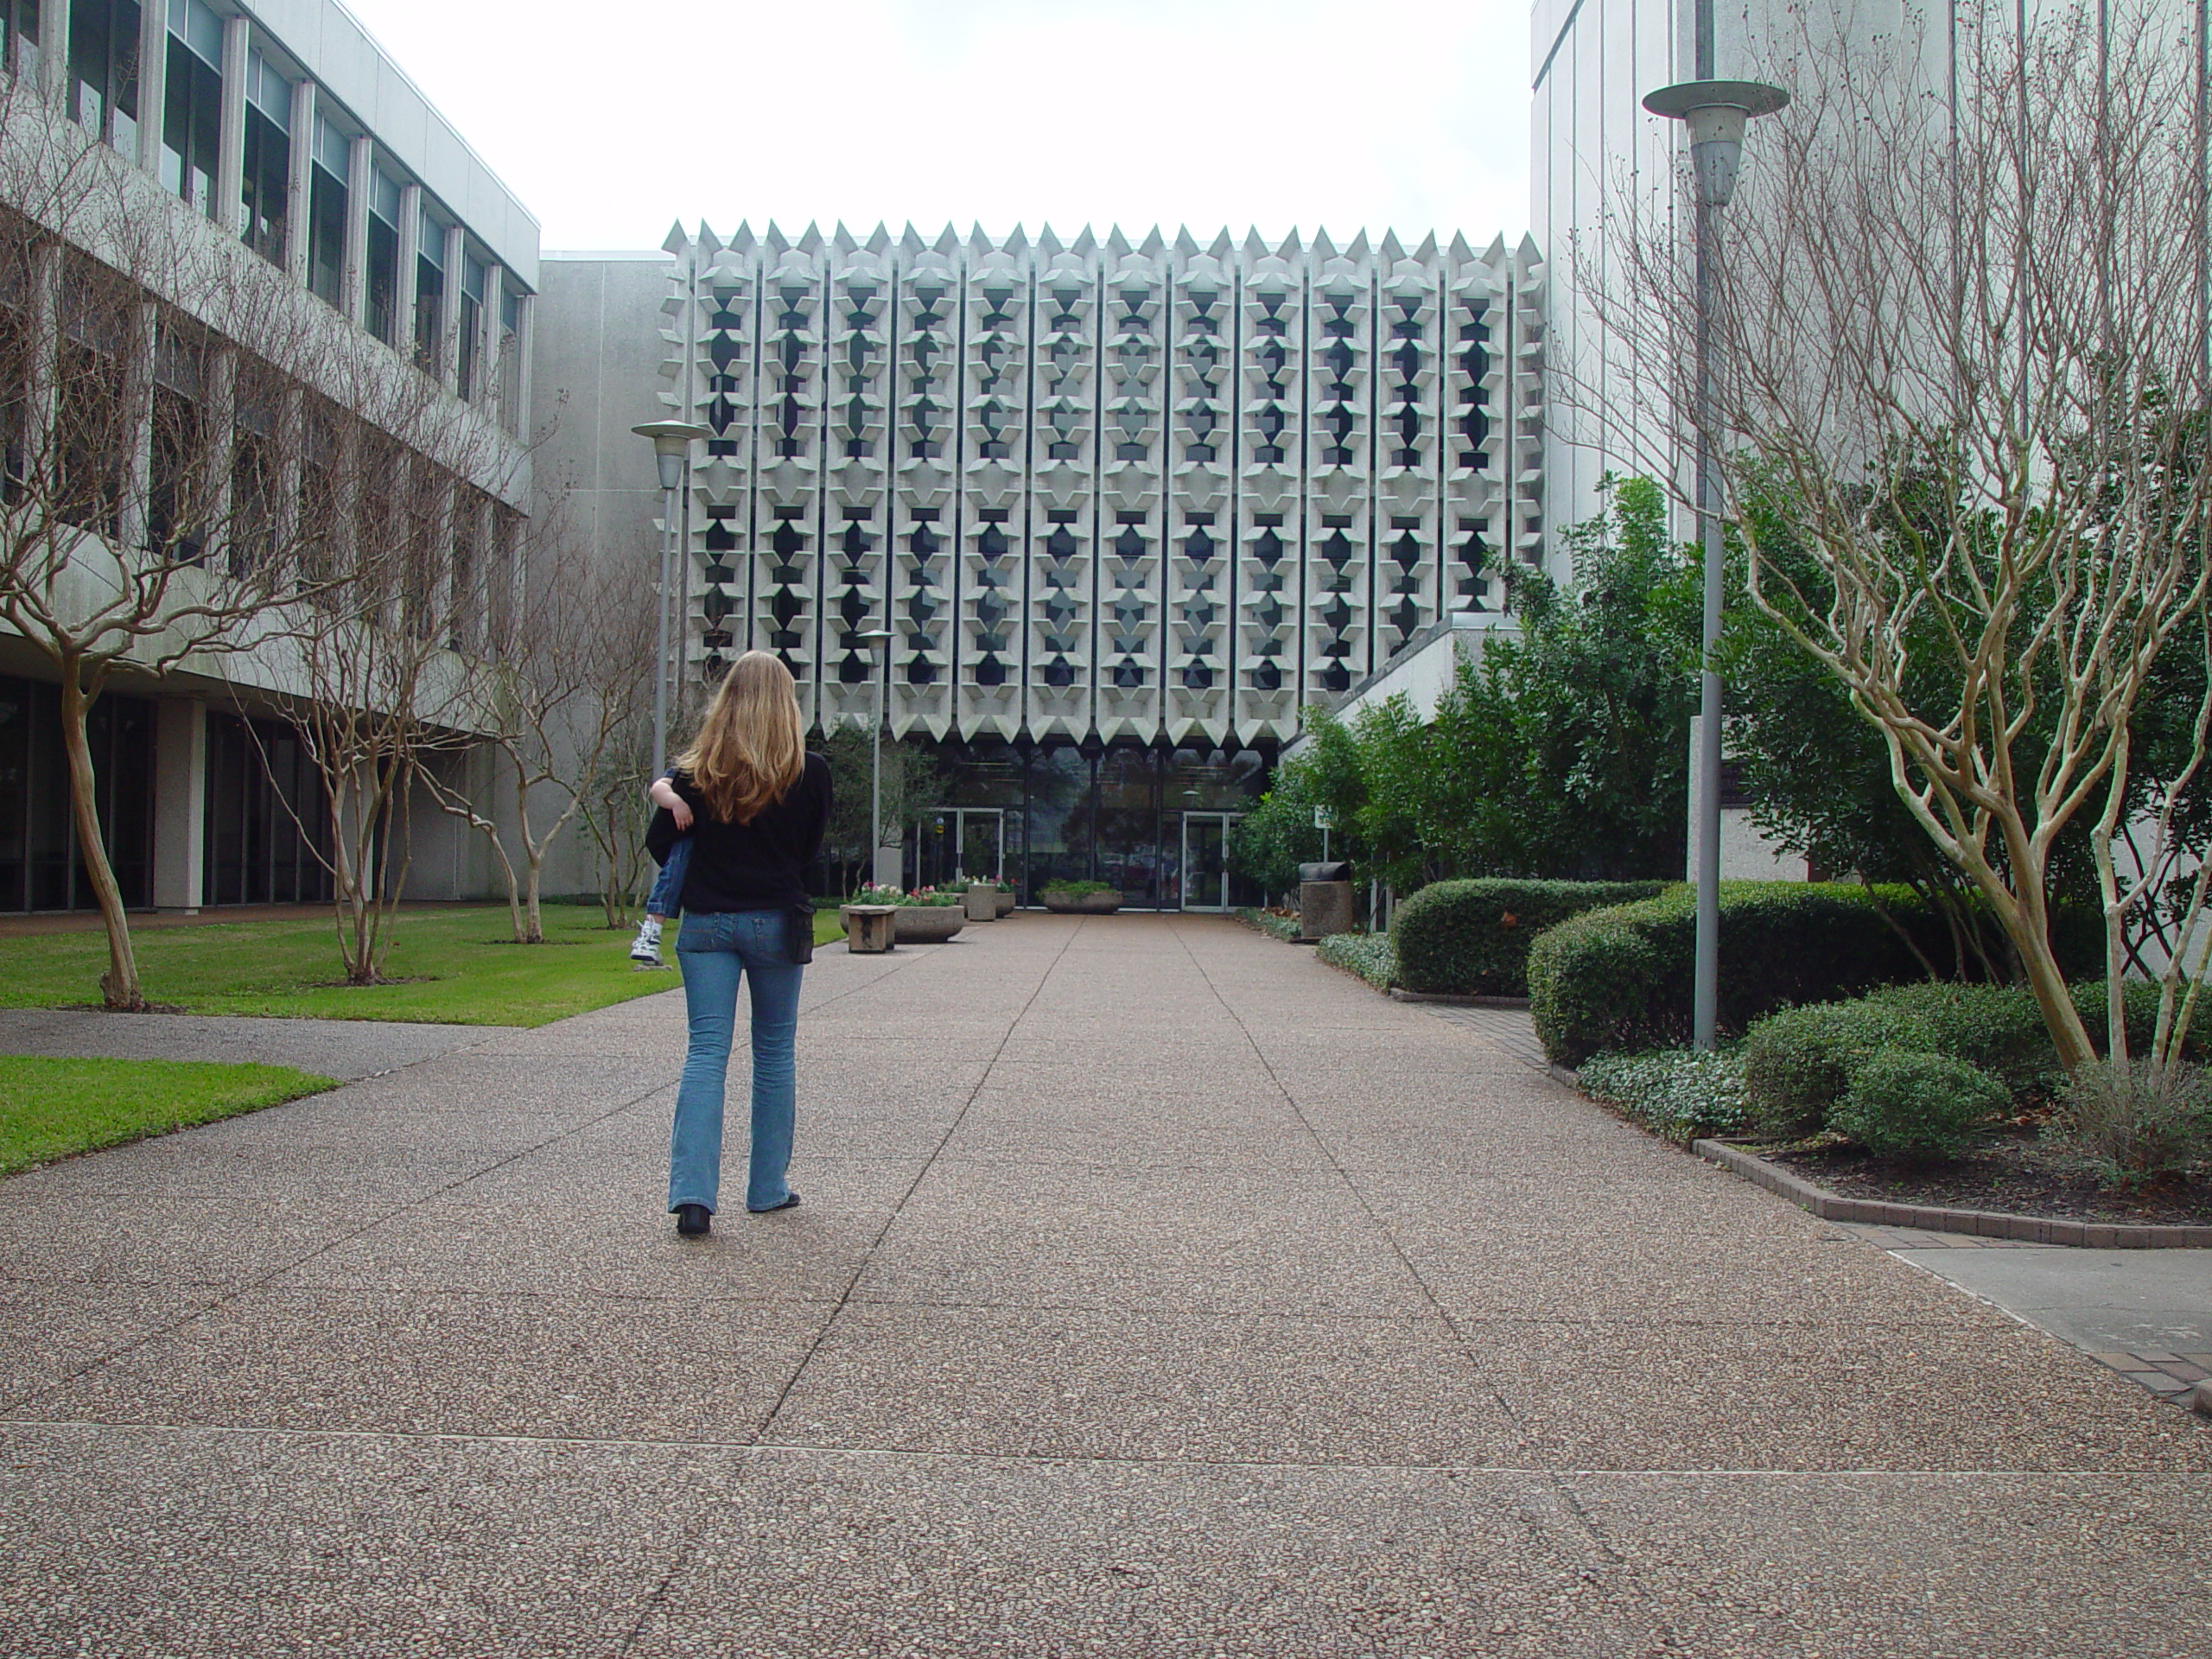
{"x": 646, "y": 948}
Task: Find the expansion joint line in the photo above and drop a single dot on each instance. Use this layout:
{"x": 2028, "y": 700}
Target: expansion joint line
{"x": 1568, "y": 1495}
{"x": 230, "y": 1293}
{"x": 684, "y": 1553}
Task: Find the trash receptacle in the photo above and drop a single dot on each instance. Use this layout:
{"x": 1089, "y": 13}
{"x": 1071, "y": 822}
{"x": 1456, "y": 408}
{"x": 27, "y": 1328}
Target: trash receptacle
{"x": 1324, "y": 901}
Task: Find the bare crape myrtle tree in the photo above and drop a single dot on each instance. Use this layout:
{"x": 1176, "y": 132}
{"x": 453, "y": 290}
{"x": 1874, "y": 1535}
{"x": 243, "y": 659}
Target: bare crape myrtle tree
{"x": 209, "y": 471}
{"x": 153, "y": 422}
{"x": 558, "y": 699}
{"x": 1962, "y": 398}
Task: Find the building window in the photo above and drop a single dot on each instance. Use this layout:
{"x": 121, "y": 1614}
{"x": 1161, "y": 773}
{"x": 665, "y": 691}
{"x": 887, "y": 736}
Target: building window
{"x": 103, "y": 70}
{"x": 430, "y": 290}
{"x": 268, "y": 825}
{"x": 254, "y": 480}
{"x": 19, "y": 37}
{"x": 380, "y": 312}
{"x": 267, "y": 175}
{"x": 471, "y": 324}
{"x": 329, "y": 187}
{"x": 510, "y": 359}
{"x": 92, "y": 409}
{"x": 40, "y": 867}
{"x": 177, "y": 501}
{"x": 191, "y": 106}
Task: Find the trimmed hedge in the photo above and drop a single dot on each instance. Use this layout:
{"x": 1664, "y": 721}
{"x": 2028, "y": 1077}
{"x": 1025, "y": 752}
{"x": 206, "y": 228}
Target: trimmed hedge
{"x": 1798, "y": 1062}
{"x": 1622, "y": 977}
{"x": 1917, "y": 1106}
{"x": 1472, "y": 937}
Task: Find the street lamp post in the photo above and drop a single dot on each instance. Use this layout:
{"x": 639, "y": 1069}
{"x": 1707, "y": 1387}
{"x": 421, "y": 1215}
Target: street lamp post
{"x": 1716, "y": 112}
{"x": 672, "y": 443}
{"x": 880, "y": 671}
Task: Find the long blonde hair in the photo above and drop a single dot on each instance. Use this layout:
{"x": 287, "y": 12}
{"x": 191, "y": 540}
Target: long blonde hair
{"x": 750, "y": 748}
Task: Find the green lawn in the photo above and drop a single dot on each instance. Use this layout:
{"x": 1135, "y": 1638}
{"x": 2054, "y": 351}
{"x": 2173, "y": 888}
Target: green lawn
{"x": 50, "y": 1109}
{"x": 458, "y": 967}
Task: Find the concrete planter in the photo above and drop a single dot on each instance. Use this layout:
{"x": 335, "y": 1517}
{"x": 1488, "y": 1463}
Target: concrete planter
{"x": 929, "y": 924}
{"x": 1005, "y": 903}
{"x": 1081, "y": 903}
{"x": 869, "y": 929}
{"x": 983, "y": 903}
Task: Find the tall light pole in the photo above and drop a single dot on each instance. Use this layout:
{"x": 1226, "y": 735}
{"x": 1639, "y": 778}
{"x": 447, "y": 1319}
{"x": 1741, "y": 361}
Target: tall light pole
{"x": 673, "y": 441}
{"x": 879, "y": 651}
{"x": 1716, "y": 112}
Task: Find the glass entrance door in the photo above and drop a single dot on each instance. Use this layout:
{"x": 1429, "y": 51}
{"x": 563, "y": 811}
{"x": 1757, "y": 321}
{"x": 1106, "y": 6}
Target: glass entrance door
{"x": 961, "y": 844}
{"x": 1205, "y": 859}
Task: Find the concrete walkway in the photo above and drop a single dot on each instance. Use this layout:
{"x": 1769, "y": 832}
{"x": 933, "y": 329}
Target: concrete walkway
{"x": 1157, "y": 1291}
{"x": 346, "y": 1049}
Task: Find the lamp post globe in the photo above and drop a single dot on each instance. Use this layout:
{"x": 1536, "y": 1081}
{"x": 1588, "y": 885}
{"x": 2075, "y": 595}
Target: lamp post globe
{"x": 671, "y": 441}
{"x": 1716, "y": 112}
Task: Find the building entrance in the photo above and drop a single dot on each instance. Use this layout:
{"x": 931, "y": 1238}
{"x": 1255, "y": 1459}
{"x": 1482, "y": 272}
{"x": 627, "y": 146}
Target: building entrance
{"x": 961, "y": 844}
{"x": 1204, "y": 866}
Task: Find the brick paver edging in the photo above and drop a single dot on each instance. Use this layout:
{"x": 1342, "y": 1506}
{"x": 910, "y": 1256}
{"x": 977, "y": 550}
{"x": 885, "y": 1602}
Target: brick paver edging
{"x": 1986, "y": 1223}
{"x": 1456, "y": 998}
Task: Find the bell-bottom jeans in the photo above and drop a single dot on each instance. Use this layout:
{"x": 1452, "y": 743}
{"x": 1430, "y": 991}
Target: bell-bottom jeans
{"x": 716, "y": 950}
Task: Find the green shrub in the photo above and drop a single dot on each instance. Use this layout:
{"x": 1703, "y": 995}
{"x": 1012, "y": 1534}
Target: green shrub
{"x": 2134, "y": 1128}
{"x": 1797, "y": 1063}
{"x": 1680, "y": 1093}
{"x": 1367, "y": 955}
{"x": 1472, "y": 937}
{"x": 1902, "y": 1104}
{"x": 1620, "y": 978}
{"x": 1282, "y": 927}
{"x": 2000, "y": 1028}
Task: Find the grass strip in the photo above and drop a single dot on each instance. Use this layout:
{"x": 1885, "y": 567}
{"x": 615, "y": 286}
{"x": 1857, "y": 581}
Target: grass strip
{"x": 451, "y": 966}
{"x": 52, "y": 1109}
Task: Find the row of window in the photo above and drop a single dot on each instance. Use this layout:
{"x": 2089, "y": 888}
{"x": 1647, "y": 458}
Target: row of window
{"x": 208, "y": 452}
{"x": 103, "y": 84}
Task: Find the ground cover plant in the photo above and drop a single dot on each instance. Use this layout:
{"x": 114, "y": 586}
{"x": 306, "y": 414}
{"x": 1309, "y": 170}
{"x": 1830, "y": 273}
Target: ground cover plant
{"x": 1680, "y": 1093}
{"x": 1280, "y": 924}
{"x": 56, "y": 1107}
{"x": 1369, "y": 955}
{"x": 453, "y": 964}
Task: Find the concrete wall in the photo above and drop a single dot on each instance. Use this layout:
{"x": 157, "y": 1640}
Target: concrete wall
{"x": 594, "y": 373}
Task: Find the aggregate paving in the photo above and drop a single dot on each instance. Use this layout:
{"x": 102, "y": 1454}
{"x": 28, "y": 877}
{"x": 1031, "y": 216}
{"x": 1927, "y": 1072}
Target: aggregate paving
{"x": 1157, "y": 1290}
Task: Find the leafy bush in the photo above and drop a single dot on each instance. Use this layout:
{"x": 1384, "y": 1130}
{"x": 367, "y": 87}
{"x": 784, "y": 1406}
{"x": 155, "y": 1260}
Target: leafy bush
{"x": 1680, "y": 1093}
{"x": 1472, "y": 937}
{"x": 1620, "y": 978}
{"x": 1282, "y": 927}
{"x": 2000, "y": 1029}
{"x": 1917, "y": 1106}
{"x": 871, "y": 892}
{"x": 1798, "y": 1062}
{"x": 1079, "y": 889}
{"x": 2151, "y": 1123}
{"x": 1367, "y": 955}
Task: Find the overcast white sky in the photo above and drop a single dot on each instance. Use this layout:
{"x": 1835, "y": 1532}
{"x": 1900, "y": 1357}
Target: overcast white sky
{"x": 1359, "y": 114}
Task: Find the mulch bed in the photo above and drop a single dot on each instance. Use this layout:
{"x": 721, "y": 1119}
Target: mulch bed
{"x": 2013, "y": 1173}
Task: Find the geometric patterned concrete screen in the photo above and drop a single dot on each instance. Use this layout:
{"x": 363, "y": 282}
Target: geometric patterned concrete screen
{"x": 1149, "y": 490}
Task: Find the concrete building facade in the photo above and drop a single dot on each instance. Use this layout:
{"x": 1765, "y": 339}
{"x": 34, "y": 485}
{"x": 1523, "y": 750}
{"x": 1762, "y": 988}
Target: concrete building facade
{"x": 276, "y": 132}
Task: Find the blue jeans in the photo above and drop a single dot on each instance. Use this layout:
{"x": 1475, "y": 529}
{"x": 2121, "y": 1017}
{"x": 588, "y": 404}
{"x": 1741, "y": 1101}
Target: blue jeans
{"x": 667, "y": 896}
{"x": 716, "y": 950}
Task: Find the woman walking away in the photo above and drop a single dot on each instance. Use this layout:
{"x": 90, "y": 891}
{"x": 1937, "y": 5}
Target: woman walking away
{"x": 759, "y": 803}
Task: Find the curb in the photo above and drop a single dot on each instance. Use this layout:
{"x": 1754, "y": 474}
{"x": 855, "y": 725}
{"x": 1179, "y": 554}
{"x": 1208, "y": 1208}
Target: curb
{"x": 1984, "y": 1223}
{"x": 1454, "y": 999}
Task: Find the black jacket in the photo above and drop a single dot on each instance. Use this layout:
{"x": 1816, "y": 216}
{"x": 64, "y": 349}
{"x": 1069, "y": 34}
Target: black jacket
{"x": 756, "y": 865}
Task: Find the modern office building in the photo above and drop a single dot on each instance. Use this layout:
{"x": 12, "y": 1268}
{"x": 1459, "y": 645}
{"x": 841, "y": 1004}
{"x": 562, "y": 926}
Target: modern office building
{"x": 275, "y": 130}
{"x": 1126, "y": 508}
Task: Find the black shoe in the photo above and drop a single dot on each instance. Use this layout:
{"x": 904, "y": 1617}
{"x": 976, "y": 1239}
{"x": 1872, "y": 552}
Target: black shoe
{"x": 791, "y": 1202}
{"x": 693, "y": 1220}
